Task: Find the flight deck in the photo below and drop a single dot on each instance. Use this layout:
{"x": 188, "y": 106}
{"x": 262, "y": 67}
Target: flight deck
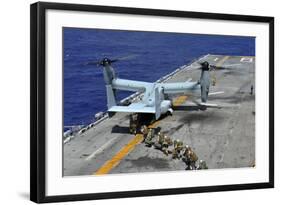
{"x": 224, "y": 138}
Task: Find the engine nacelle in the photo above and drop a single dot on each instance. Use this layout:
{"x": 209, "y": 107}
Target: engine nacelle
{"x": 205, "y": 81}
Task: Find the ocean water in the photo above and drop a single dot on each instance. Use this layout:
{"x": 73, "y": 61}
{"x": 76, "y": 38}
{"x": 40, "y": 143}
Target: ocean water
{"x": 157, "y": 54}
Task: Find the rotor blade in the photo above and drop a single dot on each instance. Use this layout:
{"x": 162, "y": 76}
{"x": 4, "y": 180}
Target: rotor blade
{"x": 195, "y": 66}
{"x": 225, "y": 67}
{"x": 125, "y": 58}
{"x": 92, "y": 63}
{"x": 230, "y": 65}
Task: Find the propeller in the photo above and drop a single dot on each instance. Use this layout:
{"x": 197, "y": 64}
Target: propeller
{"x": 107, "y": 61}
{"x": 204, "y": 80}
{"x": 214, "y": 68}
{"x": 225, "y": 67}
{"x": 198, "y": 65}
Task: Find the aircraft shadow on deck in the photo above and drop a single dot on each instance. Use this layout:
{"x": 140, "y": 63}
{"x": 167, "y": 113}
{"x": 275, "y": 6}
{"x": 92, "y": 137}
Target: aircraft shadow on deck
{"x": 120, "y": 130}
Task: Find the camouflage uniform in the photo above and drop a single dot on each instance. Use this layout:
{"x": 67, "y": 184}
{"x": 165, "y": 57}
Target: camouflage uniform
{"x": 190, "y": 158}
{"x": 149, "y": 137}
{"x": 133, "y": 123}
{"x": 160, "y": 140}
{"x": 133, "y": 128}
{"x": 144, "y": 131}
{"x": 202, "y": 165}
{"x": 166, "y": 143}
{"x": 178, "y": 147}
{"x": 163, "y": 142}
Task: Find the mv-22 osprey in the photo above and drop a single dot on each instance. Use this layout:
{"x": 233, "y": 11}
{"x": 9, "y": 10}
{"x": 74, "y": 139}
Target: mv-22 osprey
{"x": 154, "y": 100}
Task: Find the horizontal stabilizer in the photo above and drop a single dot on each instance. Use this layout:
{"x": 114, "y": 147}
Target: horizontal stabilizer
{"x": 132, "y": 108}
{"x": 194, "y": 105}
{"x": 216, "y": 93}
{"x": 209, "y": 105}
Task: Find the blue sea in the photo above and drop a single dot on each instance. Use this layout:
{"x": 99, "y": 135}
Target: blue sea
{"x": 157, "y": 54}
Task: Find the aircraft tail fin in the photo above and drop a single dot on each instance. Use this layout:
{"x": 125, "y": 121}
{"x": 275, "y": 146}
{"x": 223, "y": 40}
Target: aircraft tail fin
{"x": 157, "y": 104}
{"x": 111, "y": 100}
{"x": 109, "y": 76}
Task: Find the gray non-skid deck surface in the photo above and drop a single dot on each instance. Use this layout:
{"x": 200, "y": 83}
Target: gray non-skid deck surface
{"x": 224, "y": 138}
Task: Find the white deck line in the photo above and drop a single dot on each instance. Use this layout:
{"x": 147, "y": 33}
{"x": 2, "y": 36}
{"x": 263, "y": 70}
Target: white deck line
{"x": 103, "y": 147}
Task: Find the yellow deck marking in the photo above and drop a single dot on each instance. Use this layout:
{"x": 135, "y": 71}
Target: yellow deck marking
{"x": 180, "y": 100}
{"x": 154, "y": 124}
{"x": 115, "y": 160}
{"x": 222, "y": 61}
{"x": 219, "y": 64}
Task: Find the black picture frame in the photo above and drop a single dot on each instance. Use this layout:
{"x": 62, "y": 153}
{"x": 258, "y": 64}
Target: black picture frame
{"x": 38, "y": 101}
